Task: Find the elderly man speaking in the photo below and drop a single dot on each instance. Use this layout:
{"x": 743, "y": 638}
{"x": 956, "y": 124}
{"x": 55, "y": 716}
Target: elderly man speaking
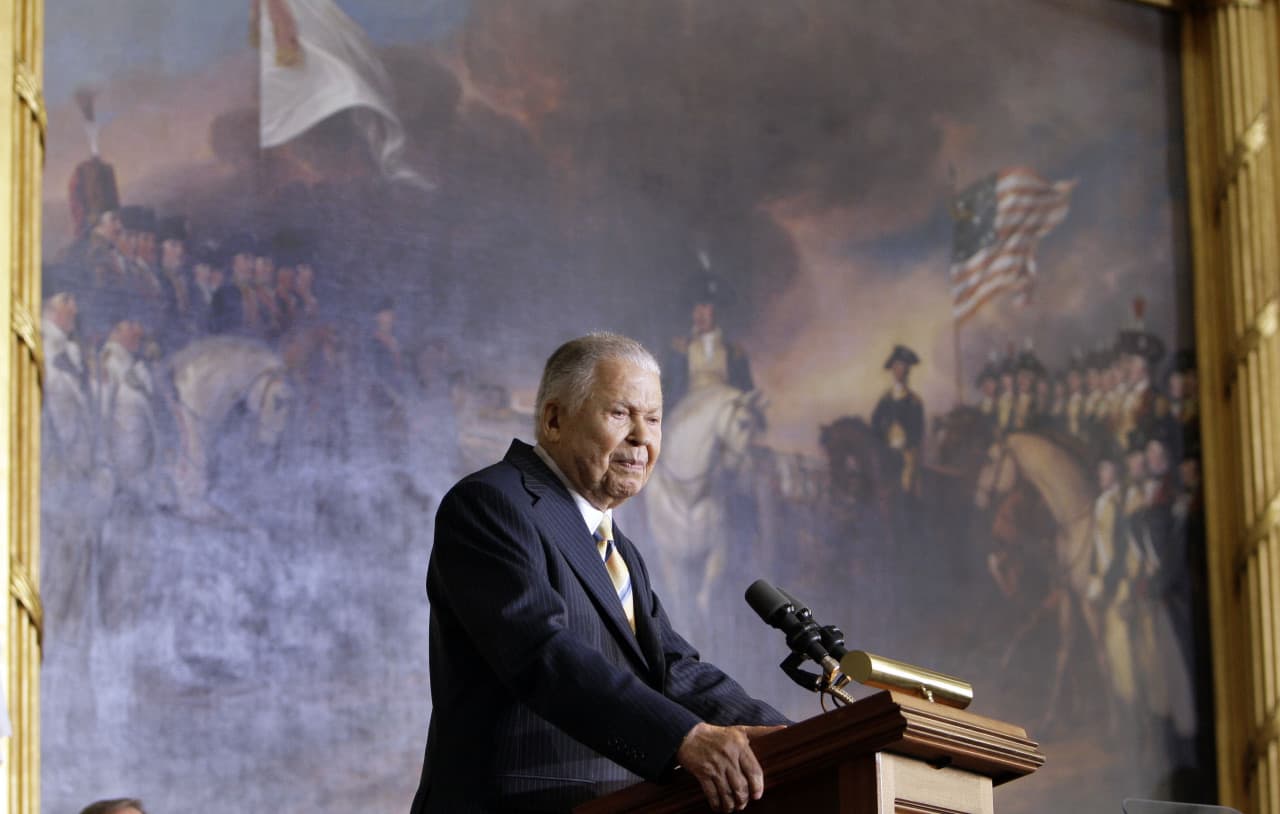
{"x": 555, "y": 673}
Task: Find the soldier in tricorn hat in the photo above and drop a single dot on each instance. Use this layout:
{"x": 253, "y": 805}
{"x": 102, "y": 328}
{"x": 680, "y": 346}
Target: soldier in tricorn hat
{"x": 1029, "y": 372}
{"x": 1140, "y": 351}
{"x": 988, "y": 383}
{"x": 207, "y": 272}
{"x": 1073, "y": 418}
{"x": 1183, "y": 407}
{"x": 233, "y": 309}
{"x": 898, "y": 418}
{"x": 140, "y": 228}
{"x": 1008, "y": 369}
{"x": 1095, "y": 395}
{"x": 171, "y": 234}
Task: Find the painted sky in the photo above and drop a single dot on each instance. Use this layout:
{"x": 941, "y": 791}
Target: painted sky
{"x": 810, "y": 147}
{"x": 187, "y": 36}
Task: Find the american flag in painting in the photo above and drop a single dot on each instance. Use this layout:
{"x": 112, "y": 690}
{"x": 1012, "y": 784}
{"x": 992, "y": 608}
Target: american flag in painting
{"x": 998, "y": 224}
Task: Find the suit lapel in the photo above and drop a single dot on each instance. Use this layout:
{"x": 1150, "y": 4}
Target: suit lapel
{"x": 562, "y": 523}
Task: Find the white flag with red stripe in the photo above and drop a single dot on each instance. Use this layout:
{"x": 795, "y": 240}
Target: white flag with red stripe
{"x": 316, "y": 61}
{"x": 999, "y": 222}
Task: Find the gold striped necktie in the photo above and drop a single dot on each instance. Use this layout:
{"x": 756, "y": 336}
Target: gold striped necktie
{"x": 616, "y": 567}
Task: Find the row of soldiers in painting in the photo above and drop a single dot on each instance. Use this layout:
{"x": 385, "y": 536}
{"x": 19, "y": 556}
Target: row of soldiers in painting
{"x": 134, "y": 290}
{"x": 1145, "y": 556}
{"x": 1100, "y": 399}
{"x": 149, "y": 269}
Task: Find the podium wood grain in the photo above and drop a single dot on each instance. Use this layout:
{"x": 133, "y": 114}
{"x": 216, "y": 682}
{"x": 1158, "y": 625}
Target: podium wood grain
{"x": 888, "y": 752}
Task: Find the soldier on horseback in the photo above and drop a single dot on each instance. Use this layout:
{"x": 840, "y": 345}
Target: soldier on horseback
{"x": 705, "y": 356}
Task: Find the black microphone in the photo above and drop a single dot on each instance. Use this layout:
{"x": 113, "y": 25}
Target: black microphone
{"x": 777, "y": 609}
{"x": 832, "y": 636}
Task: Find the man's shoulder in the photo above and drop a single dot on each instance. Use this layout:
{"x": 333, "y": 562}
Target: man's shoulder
{"x": 507, "y": 475}
{"x": 502, "y": 476}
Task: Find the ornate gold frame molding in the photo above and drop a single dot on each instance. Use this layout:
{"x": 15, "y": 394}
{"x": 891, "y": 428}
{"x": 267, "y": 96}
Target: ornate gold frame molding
{"x": 21, "y": 159}
{"x": 1231, "y": 68}
{"x": 1230, "y": 58}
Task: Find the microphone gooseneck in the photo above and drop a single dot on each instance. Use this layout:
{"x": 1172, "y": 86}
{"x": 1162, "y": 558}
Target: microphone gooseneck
{"x": 805, "y": 638}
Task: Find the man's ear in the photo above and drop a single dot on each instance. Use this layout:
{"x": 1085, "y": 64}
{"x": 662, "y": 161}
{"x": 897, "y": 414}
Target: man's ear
{"x": 550, "y": 421}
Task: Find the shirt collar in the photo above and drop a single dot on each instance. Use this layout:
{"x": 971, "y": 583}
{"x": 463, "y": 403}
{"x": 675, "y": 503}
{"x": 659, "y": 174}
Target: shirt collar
{"x": 590, "y": 514}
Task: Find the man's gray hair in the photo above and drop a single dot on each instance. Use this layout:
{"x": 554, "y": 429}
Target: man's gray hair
{"x": 570, "y": 373}
{"x": 113, "y": 806}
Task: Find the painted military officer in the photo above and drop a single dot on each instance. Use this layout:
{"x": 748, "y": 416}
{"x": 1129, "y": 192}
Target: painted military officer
{"x": 1029, "y": 372}
{"x": 206, "y": 279}
{"x": 233, "y": 309}
{"x": 1139, "y": 351}
{"x": 140, "y": 226}
{"x": 988, "y": 383}
{"x": 1094, "y": 418}
{"x": 705, "y": 356}
{"x": 898, "y": 418}
{"x": 177, "y": 326}
{"x": 1007, "y": 392}
{"x": 68, "y": 415}
{"x": 1109, "y": 589}
{"x": 1180, "y": 412}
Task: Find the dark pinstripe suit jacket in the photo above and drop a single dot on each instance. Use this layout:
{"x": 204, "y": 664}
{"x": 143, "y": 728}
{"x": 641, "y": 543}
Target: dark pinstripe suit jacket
{"x": 542, "y": 696}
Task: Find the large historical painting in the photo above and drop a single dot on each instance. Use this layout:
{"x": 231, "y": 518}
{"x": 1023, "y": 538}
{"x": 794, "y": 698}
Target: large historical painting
{"x": 917, "y": 273}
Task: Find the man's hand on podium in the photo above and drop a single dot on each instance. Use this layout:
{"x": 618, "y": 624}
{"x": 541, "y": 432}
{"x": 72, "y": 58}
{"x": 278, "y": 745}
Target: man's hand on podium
{"x": 720, "y": 757}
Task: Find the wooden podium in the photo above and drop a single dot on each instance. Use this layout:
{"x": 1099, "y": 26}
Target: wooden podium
{"x": 889, "y": 752}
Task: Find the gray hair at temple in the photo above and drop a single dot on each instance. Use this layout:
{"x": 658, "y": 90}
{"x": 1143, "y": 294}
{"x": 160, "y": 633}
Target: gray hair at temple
{"x": 570, "y": 373}
{"x": 114, "y": 806}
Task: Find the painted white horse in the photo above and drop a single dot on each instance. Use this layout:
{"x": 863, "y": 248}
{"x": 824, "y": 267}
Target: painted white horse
{"x": 1063, "y": 484}
{"x": 209, "y": 378}
{"x": 706, "y": 438}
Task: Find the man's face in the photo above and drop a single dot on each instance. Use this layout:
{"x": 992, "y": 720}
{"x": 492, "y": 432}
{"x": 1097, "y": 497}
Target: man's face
{"x": 264, "y": 269}
{"x": 704, "y": 317}
{"x": 608, "y": 446}
{"x": 203, "y": 275}
{"x": 65, "y": 312}
{"x": 1106, "y": 474}
{"x": 385, "y": 320}
{"x": 242, "y": 268}
{"x": 284, "y": 278}
{"x": 1177, "y": 385}
{"x": 899, "y": 369}
{"x": 109, "y": 226}
{"x": 1189, "y": 470}
{"x": 988, "y": 386}
{"x": 306, "y": 276}
{"x": 131, "y": 335}
{"x": 1026, "y": 381}
{"x": 1117, "y": 371}
{"x": 147, "y": 246}
{"x": 1135, "y": 464}
{"x": 1137, "y": 368}
{"x": 173, "y": 253}
{"x": 1157, "y": 458}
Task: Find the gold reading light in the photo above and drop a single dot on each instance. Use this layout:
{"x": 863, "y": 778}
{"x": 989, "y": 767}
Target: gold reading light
{"x": 890, "y": 674}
